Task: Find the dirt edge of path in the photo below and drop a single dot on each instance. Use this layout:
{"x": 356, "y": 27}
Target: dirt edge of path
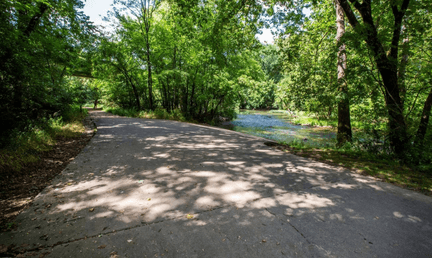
{"x": 21, "y": 187}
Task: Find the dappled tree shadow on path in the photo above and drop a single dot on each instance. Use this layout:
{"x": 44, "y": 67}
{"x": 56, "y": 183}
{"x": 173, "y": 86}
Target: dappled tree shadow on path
{"x": 182, "y": 187}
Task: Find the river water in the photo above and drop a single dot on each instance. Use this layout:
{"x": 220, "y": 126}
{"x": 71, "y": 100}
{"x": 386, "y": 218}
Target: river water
{"x": 278, "y": 127}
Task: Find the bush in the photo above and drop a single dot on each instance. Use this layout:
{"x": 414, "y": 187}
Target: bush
{"x": 24, "y": 145}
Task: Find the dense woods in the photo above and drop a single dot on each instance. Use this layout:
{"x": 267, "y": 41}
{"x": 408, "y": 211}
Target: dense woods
{"x": 366, "y": 65}
{"x": 42, "y": 44}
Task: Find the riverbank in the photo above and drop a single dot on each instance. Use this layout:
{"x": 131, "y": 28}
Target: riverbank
{"x": 317, "y": 141}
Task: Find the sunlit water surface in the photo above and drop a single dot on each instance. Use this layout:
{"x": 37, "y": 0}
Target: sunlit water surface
{"x": 279, "y": 128}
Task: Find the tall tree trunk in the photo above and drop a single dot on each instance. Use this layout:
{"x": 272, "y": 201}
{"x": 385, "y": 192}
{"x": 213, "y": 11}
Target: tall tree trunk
{"x": 174, "y": 77}
{"x": 169, "y": 95}
{"x": 191, "y": 99}
{"x": 164, "y": 95}
{"x": 149, "y": 74}
{"x": 344, "y": 133}
{"x": 387, "y": 65}
{"x": 134, "y": 90}
{"x": 184, "y": 104}
{"x": 192, "y": 96}
{"x": 136, "y": 96}
{"x": 123, "y": 69}
{"x": 424, "y": 121}
{"x": 403, "y": 64}
{"x": 147, "y": 7}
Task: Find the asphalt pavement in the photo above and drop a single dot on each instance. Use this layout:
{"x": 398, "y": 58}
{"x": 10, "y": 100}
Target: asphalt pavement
{"x": 158, "y": 188}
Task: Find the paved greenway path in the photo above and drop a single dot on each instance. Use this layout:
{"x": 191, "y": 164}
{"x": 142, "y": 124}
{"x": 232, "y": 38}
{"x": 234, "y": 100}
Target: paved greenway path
{"x": 156, "y": 188}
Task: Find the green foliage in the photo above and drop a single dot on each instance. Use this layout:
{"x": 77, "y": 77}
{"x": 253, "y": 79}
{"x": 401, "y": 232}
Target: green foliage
{"x": 198, "y": 67}
{"x": 10, "y": 225}
{"x": 362, "y": 155}
{"x": 199, "y": 60}
{"x": 27, "y": 144}
{"x": 308, "y": 56}
{"x": 41, "y": 43}
{"x": 260, "y": 78}
{"x": 270, "y": 62}
{"x": 309, "y": 61}
{"x": 257, "y": 94}
{"x": 158, "y": 113}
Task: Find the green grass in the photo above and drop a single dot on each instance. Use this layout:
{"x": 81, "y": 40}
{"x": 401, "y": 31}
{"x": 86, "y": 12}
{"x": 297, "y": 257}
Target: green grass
{"x": 351, "y": 156}
{"x": 361, "y": 162}
{"x": 156, "y": 114}
{"x": 304, "y": 118}
{"x": 27, "y": 145}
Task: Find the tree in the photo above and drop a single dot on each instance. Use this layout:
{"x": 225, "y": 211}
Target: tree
{"x": 344, "y": 133}
{"x": 41, "y": 42}
{"x": 389, "y": 55}
{"x": 143, "y": 11}
{"x": 387, "y": 64}
{"x": 124, "y": 63}
{"x": 198, "y": 63}
{"x": 308, "y": 56}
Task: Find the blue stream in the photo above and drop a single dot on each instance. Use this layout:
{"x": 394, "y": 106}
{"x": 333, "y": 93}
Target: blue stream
{"x": 273, "y": 128}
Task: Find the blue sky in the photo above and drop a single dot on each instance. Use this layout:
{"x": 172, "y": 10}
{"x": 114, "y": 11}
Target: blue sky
{"x": 97, "y": 9}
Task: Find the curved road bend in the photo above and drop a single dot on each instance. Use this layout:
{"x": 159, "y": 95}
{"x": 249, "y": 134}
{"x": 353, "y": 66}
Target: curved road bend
{"x": 157, "y": 188}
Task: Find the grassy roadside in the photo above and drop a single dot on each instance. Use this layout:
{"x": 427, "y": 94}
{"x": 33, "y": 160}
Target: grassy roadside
{"x": 27, "y": 146}
{"x": 382, "y": 167}
{"x": 363, "y": 163}
{"x": 156, "y": 114}
{"x": 29, "y": 164}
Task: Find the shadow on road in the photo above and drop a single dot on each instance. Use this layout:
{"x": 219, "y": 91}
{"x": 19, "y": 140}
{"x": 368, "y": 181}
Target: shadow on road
{"x": 159, "y": 187}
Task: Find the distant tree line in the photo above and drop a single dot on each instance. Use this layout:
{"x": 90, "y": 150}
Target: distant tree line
{"x": 357, "y": 62}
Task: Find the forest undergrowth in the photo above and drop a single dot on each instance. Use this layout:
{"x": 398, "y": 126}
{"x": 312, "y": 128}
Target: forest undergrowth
{"x": 156, "y": 114}
{"x": 34, "y": 158}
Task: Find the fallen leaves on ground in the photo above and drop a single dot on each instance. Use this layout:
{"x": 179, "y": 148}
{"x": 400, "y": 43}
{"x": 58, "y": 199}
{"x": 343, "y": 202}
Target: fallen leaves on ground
{"x": 34, "y": 177}
{"x": 3, "y": 248}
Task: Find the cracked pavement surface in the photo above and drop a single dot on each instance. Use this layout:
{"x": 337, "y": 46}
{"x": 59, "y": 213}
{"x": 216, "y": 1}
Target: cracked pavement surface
{"x": 157, "y": 188}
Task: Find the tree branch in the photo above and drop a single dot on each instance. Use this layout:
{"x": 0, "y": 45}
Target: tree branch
{"x": 34, "y": 21}
{"x": 398, "y": 16}
{"x": 348, "y": 12}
